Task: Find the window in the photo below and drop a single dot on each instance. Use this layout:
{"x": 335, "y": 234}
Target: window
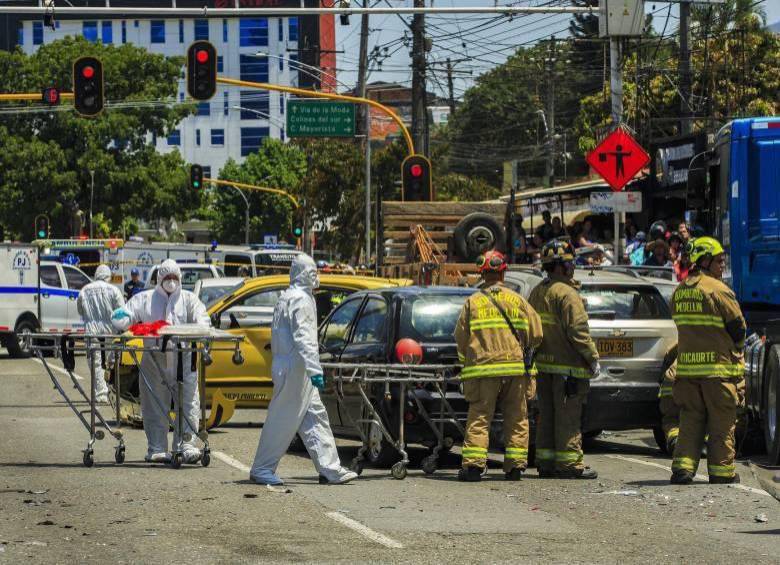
{"x": 50, "y": 276}
{"x": 254, "y": 69}
{"x": 281, "y": 29}
{"x": 174, "y": 138}
{"x": 181, "y": 96}
{"x": 281, "y": 103}
{"x": 204, "y": 109}
{"x": 190, "y": 276}
{"x": 157, "y": 31}
{"x": 251, "y": 139}
{"x": 235, "y": 265}
{"x": 370, "y": 327}
{"x": 281, "y": 63}
{"x": 294, "y": 69}
{"x": 335, "y": 332}
{"x": 220, "y": 64}
{"x": 90, "y": 31}
{"x": 327, "y": 299}
{"x": 37, "y": 33}
{"x": 253, "y": 32}
{"x": 224, "y": 31}
{"x": 226, "y": 104}
{"x": 107, "y": 32}
{"x": 201, "y": 29}
{"x": 293, "y": 29}
{"x": 625, "y": 303}
{"x": 255, "y": 310}
{"x": 197, "y": 137}
{"x": 267, "y": 298}
{"x": 218, "y": 137}
{"x": 181, "y": 31}
{"x": 207, "y": 172}
{"x": 20, "y": 35}
{"x": 124, "y": 31}
{"x": 135, "y": 23}
{"x": 430, "y": 317}
{"x": 254, "y": 105}
{"x": 76, "y": 279}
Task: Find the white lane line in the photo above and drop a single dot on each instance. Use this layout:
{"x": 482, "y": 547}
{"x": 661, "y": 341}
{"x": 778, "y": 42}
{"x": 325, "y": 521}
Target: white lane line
{"x": 364, "y": 531}
{"x": 698, "y": 476}
{"x": 59, "y": 370}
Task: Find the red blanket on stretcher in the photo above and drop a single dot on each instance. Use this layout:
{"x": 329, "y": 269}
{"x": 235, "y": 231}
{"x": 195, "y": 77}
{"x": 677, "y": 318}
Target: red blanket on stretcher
{"x": 148, "y": 329}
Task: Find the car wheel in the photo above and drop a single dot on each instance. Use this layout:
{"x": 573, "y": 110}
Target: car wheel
{"x": 380, "y": 452}
{"x": 477, "y": 233}
{"x": 771, "y": 414}
{"x": 17, "y": 344}
{"x": 660, "y": 440}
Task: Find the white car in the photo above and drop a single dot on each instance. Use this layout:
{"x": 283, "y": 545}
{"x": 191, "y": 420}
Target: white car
{"x": 191, "y": 273}
{"x": 211, "y": 290}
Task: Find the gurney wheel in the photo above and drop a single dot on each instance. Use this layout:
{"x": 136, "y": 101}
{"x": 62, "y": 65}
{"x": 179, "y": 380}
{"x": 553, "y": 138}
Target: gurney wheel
{"x": 88, "y": 459}
{"x": 398, "y": 471}
{"x": 177, "y": 460}
{"x": 205, "y": 459}
{"x": 119, "y": 455}
{"x": 429, "y": 465}
{"x": 357, "y": 466}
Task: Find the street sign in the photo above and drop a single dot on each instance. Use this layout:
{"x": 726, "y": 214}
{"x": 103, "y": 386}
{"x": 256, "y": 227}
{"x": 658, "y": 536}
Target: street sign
{"x": 316, "y": 118}
{"x": 618, "y": 158}
{"x": 608, "y": 202}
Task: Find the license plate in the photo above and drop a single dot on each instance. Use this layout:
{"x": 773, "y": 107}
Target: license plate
{"x": 615, "y": 347}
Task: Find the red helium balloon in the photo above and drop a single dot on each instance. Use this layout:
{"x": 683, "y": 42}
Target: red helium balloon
{"x": 408, "y": 352}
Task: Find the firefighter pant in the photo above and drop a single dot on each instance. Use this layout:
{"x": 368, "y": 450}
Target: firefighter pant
{"x": 707, "y": 406}
{"x": 559, "y": 426}
{"x": 670, "y": 412}
{"x": 483, "y": 394}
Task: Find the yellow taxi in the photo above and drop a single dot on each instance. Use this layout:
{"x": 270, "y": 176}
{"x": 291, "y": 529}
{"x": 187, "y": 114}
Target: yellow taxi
{"x": 247, "y": 310}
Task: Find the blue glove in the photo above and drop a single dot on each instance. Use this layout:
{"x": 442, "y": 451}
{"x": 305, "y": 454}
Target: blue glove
{"x": 317, "y": 381}
{"x": 120, "y": 319}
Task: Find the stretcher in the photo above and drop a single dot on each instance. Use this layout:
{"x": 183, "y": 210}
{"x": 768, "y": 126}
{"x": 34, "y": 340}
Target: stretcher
{"x": 183, "y": 340}
{"x": 401, "y": 381}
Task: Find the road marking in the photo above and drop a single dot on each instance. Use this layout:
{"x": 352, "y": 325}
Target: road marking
{"x": 365, "y": 531}
{"x": 59, "y": 370}
{"x": 698, "y": 476}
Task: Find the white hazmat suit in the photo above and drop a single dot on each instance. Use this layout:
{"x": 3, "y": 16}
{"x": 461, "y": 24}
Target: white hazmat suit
{"x": 175, "y": 307}
{"x": 95, "y": 304}
{"x": 296, "y": 405}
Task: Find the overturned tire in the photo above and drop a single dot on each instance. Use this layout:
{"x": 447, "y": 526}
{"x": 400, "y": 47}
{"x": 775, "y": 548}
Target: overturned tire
{"x": 476, "y": 233}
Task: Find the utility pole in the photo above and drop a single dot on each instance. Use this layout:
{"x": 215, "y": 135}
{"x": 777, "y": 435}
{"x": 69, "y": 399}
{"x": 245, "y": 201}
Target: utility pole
{"x": 616, "y": 89}
{"x": 364, "y": 122}
{"x": 418, "y": 80}
{"x": 550, "y": 68}
{"x": 91, "y": 198}
{"x": 684, "y": 68}
{"x": 450, "y": 88}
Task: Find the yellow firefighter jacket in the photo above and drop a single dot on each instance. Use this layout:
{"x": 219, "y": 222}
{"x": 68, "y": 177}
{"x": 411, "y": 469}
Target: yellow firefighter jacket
{"x": 567, "y": 348}
{"x": 487, "y": 347}
{"x": 703, "y": 308}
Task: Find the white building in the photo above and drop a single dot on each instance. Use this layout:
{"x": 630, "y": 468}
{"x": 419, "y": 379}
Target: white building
{"x": 234, "y": 122}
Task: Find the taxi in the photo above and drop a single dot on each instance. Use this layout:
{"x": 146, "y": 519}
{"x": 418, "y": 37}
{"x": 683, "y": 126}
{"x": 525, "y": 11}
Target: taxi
{"x": 248, "y": 311}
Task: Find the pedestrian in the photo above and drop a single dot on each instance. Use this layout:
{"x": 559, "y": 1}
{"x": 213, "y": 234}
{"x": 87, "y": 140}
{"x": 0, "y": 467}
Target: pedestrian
{"x": 496, "y": 334}
{"x": 519, "y": 242}
{"x": 636, "y": 251}
{"x": 297, "y": 375}
{"x": 710, "y": 366}
{"x": 546, "y": 229}
{"x": 658, "y": 254}
{"x": 684, "y": 232}
{"x": 566, "y": 360}
{"x": 95, "y": 304}
{"x": 558, "y": 231}
{"x": 676, "y": 246}
{"x": 174, "y": 305}
{"x": 134, "y": 285}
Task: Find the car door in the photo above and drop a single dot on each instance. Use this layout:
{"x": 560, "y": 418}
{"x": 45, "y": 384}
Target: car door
{"x": 54, "y": 299}
{"x": 75, "y": 280}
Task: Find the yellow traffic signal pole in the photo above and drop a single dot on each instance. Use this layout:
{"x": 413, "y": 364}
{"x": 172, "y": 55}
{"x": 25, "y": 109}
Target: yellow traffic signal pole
{"x": 31, "y": 96}
{"x": 326, "y": 95}
{"x": 253, "y": 187}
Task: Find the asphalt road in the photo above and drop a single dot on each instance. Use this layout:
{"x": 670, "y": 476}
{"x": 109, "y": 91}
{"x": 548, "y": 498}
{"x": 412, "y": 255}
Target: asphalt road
{"x": 53, "y": 510}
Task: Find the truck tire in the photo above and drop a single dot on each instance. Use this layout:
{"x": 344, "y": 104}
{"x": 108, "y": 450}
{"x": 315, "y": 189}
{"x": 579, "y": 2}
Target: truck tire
{"x": 15, "y": 345}
{"x": 771, "y": 416}
{"x": 476, "y": 233}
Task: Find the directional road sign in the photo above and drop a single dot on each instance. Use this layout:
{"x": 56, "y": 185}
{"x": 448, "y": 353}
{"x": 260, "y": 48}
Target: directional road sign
{"x": 618, "y": 158}
{"x": 608, "y": 202}
{"x": 315, "y": 118}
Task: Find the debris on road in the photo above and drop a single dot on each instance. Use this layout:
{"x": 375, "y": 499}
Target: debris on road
{"x": 761, "y": 518}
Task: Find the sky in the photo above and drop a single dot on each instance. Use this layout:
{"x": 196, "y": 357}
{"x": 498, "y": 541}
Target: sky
{"x": 483, "y": 40}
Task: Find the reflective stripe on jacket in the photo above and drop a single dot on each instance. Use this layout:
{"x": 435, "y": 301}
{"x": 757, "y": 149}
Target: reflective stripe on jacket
{"x": 487, "y": 346}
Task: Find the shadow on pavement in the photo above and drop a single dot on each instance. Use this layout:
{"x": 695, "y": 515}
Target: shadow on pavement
{"x": 774, "y": 532}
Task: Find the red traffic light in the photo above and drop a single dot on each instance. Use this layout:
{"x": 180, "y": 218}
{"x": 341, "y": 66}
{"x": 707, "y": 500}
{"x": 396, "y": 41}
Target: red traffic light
{"x": 416, "y": 171}
{"x": 88, "y": 72}
{"x": 202, "y": 56}
{"x": 50, "y": 96}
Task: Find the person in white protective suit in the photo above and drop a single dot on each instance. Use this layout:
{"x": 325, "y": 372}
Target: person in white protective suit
{"x": 95, "y": 304}
{"x": 169, "y": 302}
{"x": 297, "y": 375}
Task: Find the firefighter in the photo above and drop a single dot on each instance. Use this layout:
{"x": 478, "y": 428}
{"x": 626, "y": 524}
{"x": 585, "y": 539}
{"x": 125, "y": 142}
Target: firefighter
{"x": 710, "y": 365}
{"x": 497, "y": 366}
{"x": 566, "y": 360}
{"x": 670, "y": 412}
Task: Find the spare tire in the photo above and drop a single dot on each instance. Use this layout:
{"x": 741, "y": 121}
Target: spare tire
{"x": 476, "y": 233}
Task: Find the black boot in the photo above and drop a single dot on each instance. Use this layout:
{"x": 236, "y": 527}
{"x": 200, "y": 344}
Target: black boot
{"x": 470, "y": 474}
{"x": 681, "y": 477}
{"x": 545, "y": 473}
{"x": 515, "y": 474}
{"x": 724, "y": 480}
{"x": 585, "y": 473}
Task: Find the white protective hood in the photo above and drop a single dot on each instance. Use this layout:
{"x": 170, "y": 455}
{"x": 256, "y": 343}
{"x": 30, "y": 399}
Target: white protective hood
{"x": 303, "y": 273}
{"x": 103, "y": 273}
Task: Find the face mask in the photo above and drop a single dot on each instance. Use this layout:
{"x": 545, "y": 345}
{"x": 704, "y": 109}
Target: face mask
{"x": 170, "y": 286}
{"x": 316, "y": 281}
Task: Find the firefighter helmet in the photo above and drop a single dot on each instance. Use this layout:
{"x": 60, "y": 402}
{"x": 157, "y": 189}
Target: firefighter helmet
{"x": 703, "y": 248}
{"x": 492, "y": 261}
{"x": 557, "y": 250}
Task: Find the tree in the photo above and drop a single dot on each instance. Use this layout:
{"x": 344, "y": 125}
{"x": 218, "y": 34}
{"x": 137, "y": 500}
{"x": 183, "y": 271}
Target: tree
{"x": 47, "y": 154}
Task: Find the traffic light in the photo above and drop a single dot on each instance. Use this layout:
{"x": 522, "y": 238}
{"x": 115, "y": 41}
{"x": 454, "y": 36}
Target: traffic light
{"x": 201, "y": 70}
{"x": 50, "y": 96}
{"x": 297, "y": 224}
{"x": 416, "y": 179}
{"x": 196, "y": 177}
{"x": 88, "y": 86}
{"x": 41, "y": 227}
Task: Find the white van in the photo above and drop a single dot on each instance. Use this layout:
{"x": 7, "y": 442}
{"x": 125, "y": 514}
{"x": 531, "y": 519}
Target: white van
{"x": 26, "y": 308}
{"x": 254, "y": 260}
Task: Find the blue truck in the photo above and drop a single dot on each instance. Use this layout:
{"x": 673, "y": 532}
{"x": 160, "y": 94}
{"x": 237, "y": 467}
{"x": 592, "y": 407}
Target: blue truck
{"x": 741, "y": 207}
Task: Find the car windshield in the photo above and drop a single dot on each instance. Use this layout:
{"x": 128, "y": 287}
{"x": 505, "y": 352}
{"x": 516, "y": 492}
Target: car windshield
{"x": 189, "y": 276}
{"x": 625, "y": 303}
{"x": 430, "y": 317}
{"x": 210, "y": 294}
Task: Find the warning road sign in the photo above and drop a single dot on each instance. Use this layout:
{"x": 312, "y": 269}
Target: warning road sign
{"x": 618, "y": 158}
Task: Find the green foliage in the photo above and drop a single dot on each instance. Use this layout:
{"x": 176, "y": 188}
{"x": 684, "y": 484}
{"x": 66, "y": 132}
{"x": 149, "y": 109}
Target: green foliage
{"x": 46, "y": 156}
{"x": 460, "y": 188}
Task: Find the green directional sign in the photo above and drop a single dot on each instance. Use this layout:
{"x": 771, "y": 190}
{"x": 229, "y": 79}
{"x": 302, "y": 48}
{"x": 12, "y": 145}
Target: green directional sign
{"x": 319, "y": 118}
